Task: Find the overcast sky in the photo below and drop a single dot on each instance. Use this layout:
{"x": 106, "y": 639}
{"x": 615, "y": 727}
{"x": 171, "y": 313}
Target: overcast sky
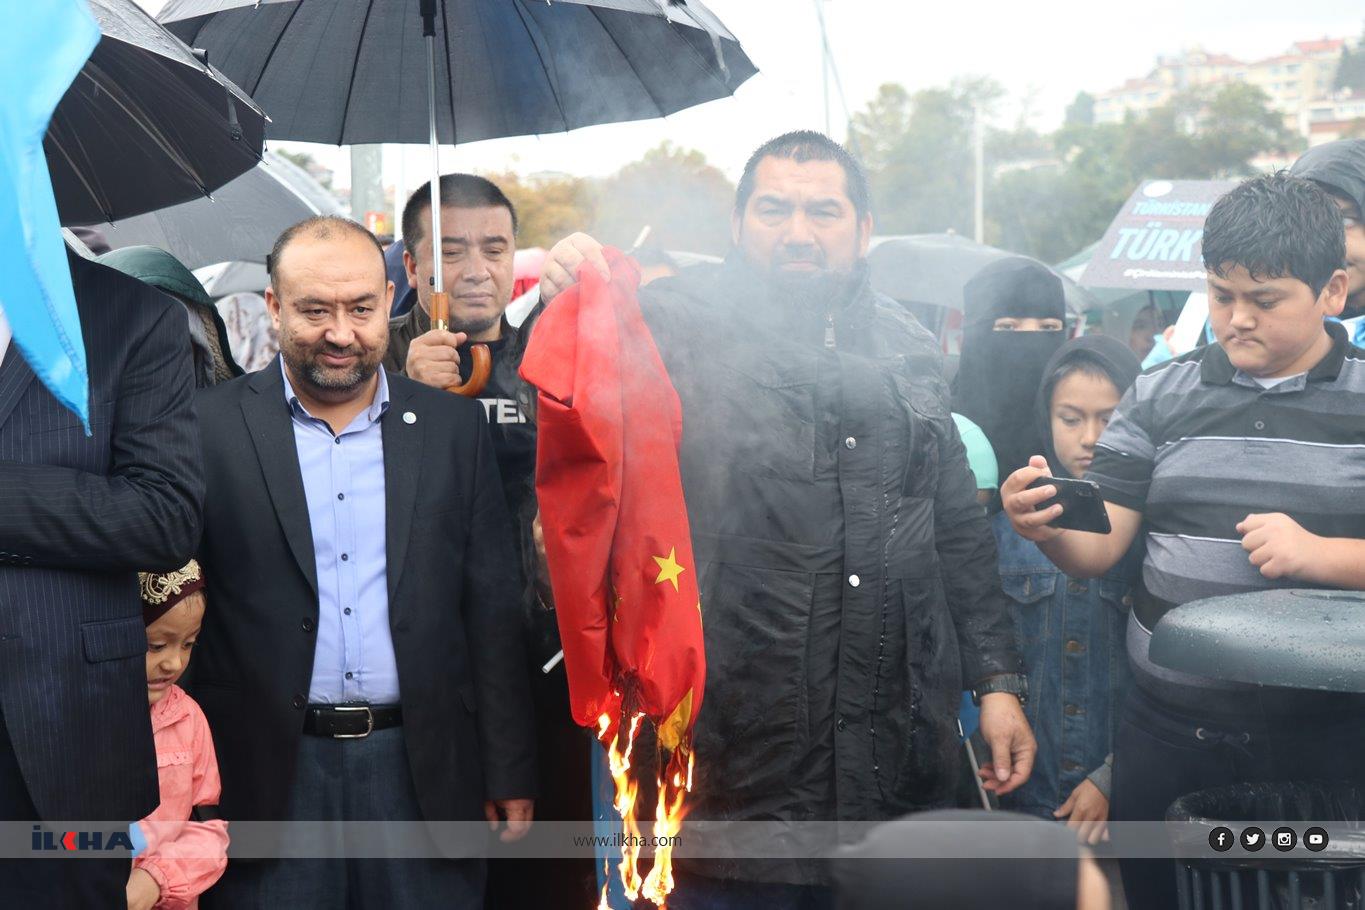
{"x": 1043, "y": 53}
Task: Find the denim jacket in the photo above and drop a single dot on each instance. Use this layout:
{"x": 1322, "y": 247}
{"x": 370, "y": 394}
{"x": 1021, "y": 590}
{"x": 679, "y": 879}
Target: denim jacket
{"x": 1071, "y": 631}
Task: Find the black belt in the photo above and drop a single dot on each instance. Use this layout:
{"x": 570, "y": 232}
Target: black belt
{"x": 350, "y": 721}
{"x": 1149, "y": 609}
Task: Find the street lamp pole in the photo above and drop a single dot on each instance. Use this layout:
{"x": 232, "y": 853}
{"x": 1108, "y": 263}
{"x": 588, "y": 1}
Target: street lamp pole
{"x": 825, "y": 62}
{"x": 979, "y": 144}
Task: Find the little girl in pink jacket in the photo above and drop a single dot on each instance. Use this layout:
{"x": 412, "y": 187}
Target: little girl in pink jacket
{"x": 183, "y": 846}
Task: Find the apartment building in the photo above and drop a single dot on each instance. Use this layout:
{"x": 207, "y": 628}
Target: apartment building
{"x": 1297, "y": 82}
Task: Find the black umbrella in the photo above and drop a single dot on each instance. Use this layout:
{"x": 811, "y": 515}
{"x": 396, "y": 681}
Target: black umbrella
{"x": 933, "y": 268}
{"x": 146, "y": 124}
{"x": 239, "y": 222}
{"x": 348, "y": 71}
{"x": 352, "y": 71}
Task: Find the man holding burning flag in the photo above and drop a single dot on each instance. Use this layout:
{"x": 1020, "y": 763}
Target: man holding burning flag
{"x": 846, "y": 573}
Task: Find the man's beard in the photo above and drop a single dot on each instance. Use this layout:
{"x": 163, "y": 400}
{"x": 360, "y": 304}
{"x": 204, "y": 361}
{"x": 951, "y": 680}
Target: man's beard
{"x": 472, "y": 327}
{"x": 305, "y": 365}
{"x": 812, "y": 294}
{"x": 455, "y": 321}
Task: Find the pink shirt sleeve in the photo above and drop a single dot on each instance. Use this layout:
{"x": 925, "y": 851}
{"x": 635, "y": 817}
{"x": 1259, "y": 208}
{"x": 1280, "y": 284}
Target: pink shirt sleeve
{"x": 187, "y": 857}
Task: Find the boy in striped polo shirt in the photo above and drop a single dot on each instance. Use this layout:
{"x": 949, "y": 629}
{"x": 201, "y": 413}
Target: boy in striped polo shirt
{"x": 1242, "y": 464}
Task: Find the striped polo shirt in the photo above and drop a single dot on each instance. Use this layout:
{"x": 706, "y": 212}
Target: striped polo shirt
{"x": 1196, "y": 445}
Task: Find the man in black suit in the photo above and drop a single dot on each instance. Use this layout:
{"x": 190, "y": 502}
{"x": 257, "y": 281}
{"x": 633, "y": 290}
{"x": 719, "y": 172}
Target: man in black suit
{"x": 79, "y": 515}
{"x": 361, "y": 656}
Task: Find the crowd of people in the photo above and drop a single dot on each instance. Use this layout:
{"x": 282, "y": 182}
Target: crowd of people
{"x": 354, "y": 558}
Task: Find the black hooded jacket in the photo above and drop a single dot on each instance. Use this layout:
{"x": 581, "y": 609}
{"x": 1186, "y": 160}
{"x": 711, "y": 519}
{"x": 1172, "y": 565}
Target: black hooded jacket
{"x": 1112, "y": 356}
{"x": 848, "y": 577}
{"x": 1339, "y": 167}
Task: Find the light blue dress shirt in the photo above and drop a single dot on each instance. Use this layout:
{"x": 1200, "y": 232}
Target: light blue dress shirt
{"x": 343, "y": 480}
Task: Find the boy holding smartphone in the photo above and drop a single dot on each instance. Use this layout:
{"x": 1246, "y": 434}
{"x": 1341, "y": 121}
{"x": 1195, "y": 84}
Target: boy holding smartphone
{"x": 1230, "y": 462}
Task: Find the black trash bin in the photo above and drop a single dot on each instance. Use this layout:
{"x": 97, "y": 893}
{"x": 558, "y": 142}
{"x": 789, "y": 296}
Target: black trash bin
{"x": 1309, "y": 640}
{"x": 1333, "y": 879}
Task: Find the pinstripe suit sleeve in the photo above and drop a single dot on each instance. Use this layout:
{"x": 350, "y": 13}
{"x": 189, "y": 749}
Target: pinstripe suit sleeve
{"x": 146, "y": 512}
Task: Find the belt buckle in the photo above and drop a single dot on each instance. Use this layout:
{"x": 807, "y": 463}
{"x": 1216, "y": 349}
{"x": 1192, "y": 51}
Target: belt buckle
{"x": 369, "y": 721}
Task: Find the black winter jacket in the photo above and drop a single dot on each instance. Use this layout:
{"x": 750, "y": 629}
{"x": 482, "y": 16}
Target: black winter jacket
{"x": 848, "y": 576}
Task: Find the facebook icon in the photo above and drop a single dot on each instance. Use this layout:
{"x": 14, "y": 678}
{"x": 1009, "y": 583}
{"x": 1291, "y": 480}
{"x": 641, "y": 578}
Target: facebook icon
{"x": 1220, "y": 839}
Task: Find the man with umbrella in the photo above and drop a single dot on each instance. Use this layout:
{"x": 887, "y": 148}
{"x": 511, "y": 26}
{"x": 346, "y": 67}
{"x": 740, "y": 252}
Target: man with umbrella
{"x": 478, "y": 227}
{"x": 845, "y": 566}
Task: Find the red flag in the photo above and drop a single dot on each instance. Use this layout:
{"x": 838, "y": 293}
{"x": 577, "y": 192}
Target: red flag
{"x": 611, "y": 504}
{"x": 618, "y": 541}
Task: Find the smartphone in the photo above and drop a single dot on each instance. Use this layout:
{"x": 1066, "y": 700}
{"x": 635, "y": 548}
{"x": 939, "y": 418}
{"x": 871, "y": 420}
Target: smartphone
{"x": 1082, "y": 504}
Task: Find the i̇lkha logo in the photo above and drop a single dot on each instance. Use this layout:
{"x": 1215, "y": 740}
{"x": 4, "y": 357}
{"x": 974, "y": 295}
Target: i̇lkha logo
{"x": 78, "y": 841}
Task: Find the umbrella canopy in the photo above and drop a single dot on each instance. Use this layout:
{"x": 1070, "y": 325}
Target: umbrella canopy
{"x": 342, "y": 71}
{"x": 352, "y": 71}
{"x": 238, "y": 223}
{"x": 933, "y": 268}
{"x": 146, "y": 124}
{"x": 224, "y": 278}
{"x": 1121, "y": 309}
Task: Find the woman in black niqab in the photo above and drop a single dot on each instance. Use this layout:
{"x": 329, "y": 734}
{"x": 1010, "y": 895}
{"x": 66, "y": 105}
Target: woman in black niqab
{"x": 1013, "y": 322}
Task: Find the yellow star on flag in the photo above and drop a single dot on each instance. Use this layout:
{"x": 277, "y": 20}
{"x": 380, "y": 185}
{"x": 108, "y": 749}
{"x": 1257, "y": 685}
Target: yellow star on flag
{"x": 669, "y": 569}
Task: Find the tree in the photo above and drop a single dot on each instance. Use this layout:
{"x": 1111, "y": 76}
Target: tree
{"x": 1081, "y": 110}
{"x": 1231, "y": 126}
{"x": 875, "y": 131}
{"x": 918, "y": 152}
{"x": 1047, "y": 195}
{"x": 1351, "y": 69}
{"x": 310, "y": 164}
{"x": 685, "y": 201}
{"x": 1198, "y": 135}
{"x": 549, "y": 207}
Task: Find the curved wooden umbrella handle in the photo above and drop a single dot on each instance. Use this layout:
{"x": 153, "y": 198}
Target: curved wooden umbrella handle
{"x": 479, "y": 353}
{"x": 478, "y": 376}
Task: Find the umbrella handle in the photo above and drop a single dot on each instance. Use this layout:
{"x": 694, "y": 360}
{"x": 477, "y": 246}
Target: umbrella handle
{"x": 478, "y": 376}
{"x": 479, "y": 353}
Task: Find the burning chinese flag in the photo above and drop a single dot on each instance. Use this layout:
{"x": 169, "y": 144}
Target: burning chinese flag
{"x": 617, "y": 536}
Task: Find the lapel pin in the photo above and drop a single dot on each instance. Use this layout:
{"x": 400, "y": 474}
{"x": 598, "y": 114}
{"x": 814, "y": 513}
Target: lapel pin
{"x": 409, "y": 417}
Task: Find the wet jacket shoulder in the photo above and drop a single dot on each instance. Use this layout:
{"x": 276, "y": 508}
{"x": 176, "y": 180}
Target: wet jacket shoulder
{"x": 402, "y": 330}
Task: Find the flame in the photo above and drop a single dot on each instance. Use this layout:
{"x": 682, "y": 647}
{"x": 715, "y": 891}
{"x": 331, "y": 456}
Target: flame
{"x": 627, "y": 788}
{"x": 602, "y": 903}
{"x": 668, "y": 818}
{"x": 675, "y": 782}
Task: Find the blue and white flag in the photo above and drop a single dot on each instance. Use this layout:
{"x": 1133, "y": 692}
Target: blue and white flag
{"x": 41, "y": 51}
